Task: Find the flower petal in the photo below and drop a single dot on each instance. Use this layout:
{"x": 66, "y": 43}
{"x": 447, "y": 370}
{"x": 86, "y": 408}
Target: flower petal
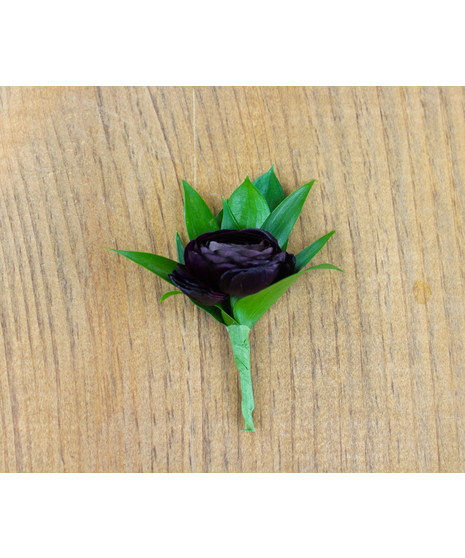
{"x": 242, "y": 283}
{"x": 197, "y": 266}
{"x": 194, "y": 289}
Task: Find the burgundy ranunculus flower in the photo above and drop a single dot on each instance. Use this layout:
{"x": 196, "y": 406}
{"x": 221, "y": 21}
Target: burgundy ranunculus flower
{"x": 231, "y": 263}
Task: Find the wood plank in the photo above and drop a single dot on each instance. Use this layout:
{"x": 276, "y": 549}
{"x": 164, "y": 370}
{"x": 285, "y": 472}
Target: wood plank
{"x": 361, "y": 372}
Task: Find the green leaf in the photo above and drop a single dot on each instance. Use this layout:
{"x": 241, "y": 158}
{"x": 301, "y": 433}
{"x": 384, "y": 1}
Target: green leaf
{"x": 229, "y": 221}
{"x": 269, "y": 186}
{"x": 228, "y": 320}
{"x": 168, "y": 294}
{"x": 219, "y": 218}
{"x": 250, "y": 309}
{"x": 214, "y": 311}
{"x": 324, "y": 266}
{"x": 283, "y": 218}
{"x": 239, "y": 336}
{"x": 156, "y": 264}
{"x": 248, "y": 206}
{"x": 302, "y": 258}
{"x": 199, "y": 218}
{"x": 233, "y": 300}
{"x": 180, "y": 249}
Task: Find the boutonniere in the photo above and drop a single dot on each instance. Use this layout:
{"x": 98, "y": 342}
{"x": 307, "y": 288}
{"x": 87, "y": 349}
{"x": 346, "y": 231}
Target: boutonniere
{"x": 236, "y": 265}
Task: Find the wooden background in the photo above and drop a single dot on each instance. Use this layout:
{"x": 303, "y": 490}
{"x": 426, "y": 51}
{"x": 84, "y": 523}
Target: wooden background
{"x": 362, "y": 372}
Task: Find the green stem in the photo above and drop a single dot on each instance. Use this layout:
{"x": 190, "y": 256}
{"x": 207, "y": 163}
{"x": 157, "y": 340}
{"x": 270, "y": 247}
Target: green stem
{"x": 239, "y": 335}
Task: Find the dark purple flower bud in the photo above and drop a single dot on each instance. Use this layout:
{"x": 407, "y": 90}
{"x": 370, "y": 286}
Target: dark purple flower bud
{"x": 231, "y": 263}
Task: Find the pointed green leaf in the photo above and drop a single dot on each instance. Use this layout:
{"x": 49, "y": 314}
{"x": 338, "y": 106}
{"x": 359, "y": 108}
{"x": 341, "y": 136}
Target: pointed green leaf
{"x": 248, "y": 206}
{"x": 250, "y": 309}
{"x": 324, "y": 266}
{"x": 156, "y": 264}
{"x": 270, "y": 187}
{"x": 199, "y": 218}
{"x": 228, "y": 320}
{"x": 229, "y": 221}
{"x": 233, "y": 300}
{"x": 219, "y": 218}
{"x": 239, "y": 336}
{"x": 180, "y": 249}
{"x": 302, "y": 258}
{"x": 283, "y": 218}
{"x": 214, "y": 311}
{"x": 168, "y": 294}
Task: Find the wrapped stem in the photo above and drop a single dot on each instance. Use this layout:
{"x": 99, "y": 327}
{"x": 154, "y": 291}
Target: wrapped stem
{"x": 239, "y": 335}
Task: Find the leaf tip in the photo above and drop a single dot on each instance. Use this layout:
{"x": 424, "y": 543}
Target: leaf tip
{"x": 186, "y": 189}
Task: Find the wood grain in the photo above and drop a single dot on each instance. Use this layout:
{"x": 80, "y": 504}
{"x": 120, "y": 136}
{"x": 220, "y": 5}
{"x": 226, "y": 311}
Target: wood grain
{"x": 362, "y": 372}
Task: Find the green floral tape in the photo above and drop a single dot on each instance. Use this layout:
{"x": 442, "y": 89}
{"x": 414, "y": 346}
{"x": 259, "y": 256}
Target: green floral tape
{"x": 239, "y": 335}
